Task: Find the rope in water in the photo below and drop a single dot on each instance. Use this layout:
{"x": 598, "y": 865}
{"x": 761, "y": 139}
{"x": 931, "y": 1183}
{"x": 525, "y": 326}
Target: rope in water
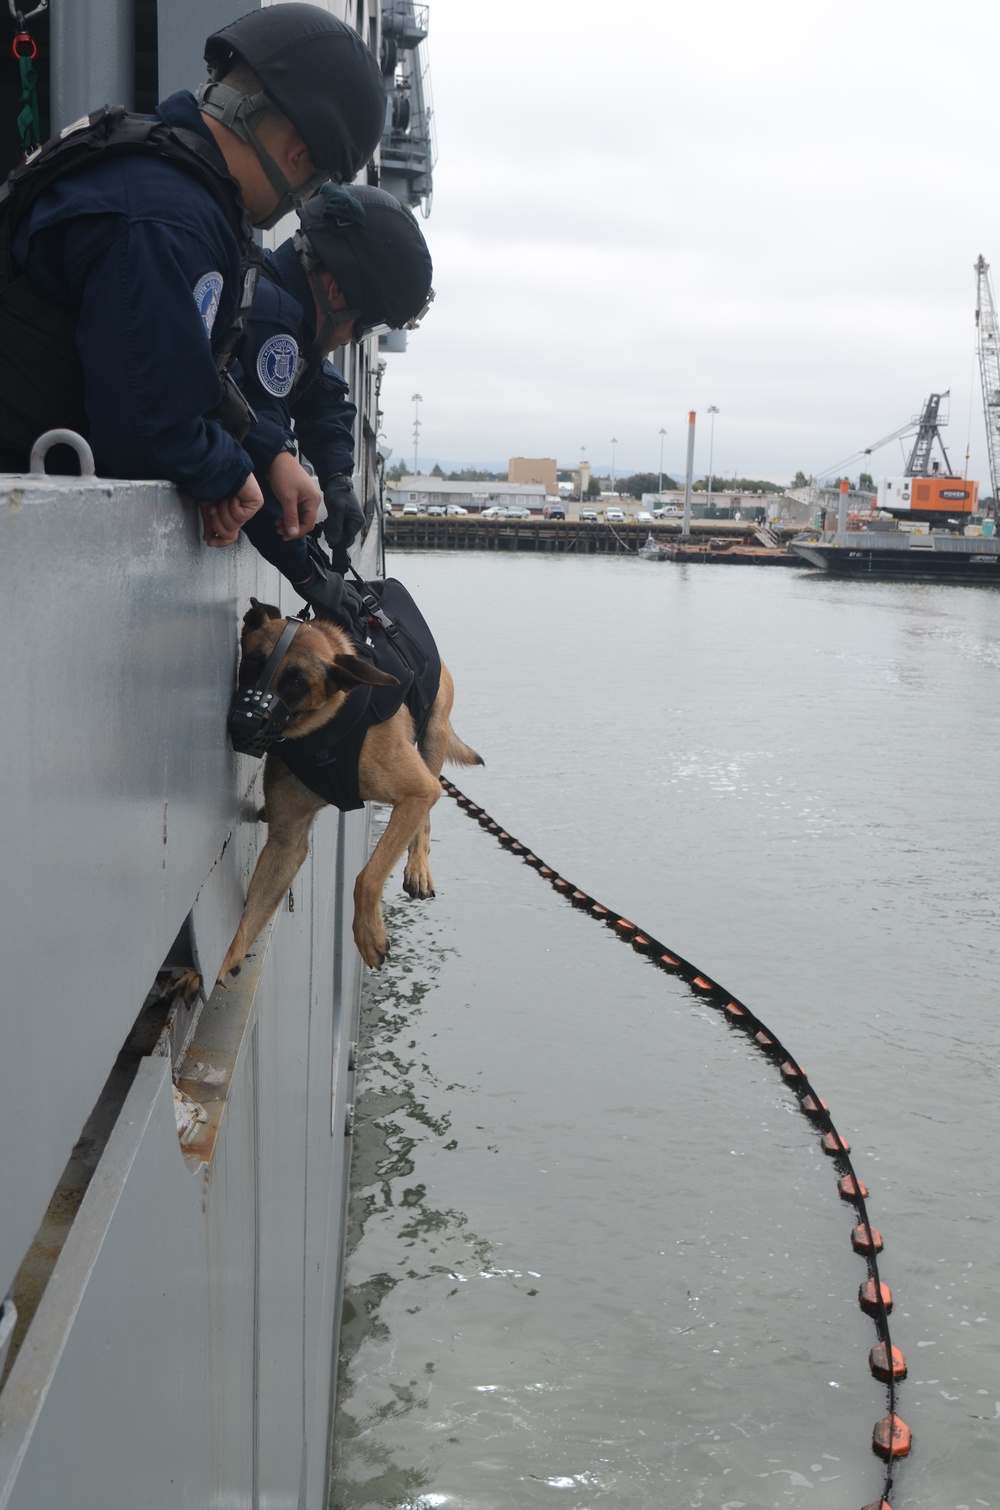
{"x": 891, "y": 1438}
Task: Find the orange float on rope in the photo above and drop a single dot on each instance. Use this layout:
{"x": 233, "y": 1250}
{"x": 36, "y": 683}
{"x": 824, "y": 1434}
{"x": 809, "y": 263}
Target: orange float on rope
{"x": 851, "y": 1189}
{"x": 833, "y": 1143}
{"x": 763, "y": 1040}
{"x": 473, "y": 810}
{"x": 701, "y": 984}
{"x": 642, "y": 943}
{"x": 813, "y": 1106}
{"x": 546, "y": 873}
{"x": 623, "y": 927}
{"x": 734, "y": 1011}
{"x": 462, "y": 801}
{"x": 882, "y": 1505}
{"x": 880, "y": 1367}
{"x": 485, "y": 820}
{"x": 891, "y": 1438}
{"x": 867, "y": 1300}
{"x": 599, "y": 912}
{"x": 790, "y": 1072}
{"x": 494, "y": 827}
{"x": 667, "y": 962}
{"x": 505, "y": 839}
{"x": 517, "y": 848}
{"x": 533, "y": 860}
{"x": 561, "y": 884}
{"x": 580, "y": 899}
{"x": 862, "y": 1243}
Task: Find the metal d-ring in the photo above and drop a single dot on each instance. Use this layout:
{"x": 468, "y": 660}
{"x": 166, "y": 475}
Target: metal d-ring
{"x": 44, "y": 444}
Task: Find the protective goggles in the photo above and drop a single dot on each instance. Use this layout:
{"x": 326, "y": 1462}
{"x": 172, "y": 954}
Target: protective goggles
{"x": 382, "y": 328}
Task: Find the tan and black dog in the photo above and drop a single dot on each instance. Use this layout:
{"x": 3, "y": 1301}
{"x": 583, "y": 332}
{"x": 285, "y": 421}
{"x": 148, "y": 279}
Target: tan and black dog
{"x": 314, "y": 680}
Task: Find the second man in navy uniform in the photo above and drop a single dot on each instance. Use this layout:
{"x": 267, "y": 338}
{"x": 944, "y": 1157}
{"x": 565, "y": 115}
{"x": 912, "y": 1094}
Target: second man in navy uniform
{"x": 128, "y": 257}
{"x": 357, "y": 264}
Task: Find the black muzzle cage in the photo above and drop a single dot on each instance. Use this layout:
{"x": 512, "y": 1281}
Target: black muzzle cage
{"x": 258, "y": 715}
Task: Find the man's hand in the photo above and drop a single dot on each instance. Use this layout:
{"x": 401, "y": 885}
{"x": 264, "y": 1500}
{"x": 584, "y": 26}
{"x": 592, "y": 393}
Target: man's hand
{"x": 298, "y": 494}
{"x": 345, "y": 518}
{"x": 224, "y": 519}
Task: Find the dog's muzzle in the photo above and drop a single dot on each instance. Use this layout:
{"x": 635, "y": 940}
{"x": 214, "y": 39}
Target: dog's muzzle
{"x": 258, "y": 716}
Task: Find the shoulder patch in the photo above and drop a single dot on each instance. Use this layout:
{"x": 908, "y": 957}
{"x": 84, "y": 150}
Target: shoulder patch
{"x": 276, "y": 363}
{"x": 207, "y": 294}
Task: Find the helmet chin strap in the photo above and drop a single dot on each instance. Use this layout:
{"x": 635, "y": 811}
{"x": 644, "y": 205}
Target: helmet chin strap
{"x": 242, "y": 114}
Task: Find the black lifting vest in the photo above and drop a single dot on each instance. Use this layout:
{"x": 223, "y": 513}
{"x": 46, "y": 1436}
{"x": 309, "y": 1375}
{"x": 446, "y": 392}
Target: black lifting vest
{"x": 327, "y": 761}
{"x": 41, "y": 378}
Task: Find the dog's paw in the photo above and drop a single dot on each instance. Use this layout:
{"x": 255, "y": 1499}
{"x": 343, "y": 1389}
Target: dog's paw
{"x": 418, "y": 882}
{"x": 373, "y": 945}
{"x": 189, "y": 987}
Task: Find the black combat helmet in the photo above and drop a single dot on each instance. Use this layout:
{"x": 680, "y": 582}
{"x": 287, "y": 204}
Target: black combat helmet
{"x": 318, "y": 73}
{"x": 375, "y": 250}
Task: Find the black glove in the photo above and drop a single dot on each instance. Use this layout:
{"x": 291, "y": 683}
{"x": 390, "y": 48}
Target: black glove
{"x": 330, "y": 597}
{"x": 344, "y": 521}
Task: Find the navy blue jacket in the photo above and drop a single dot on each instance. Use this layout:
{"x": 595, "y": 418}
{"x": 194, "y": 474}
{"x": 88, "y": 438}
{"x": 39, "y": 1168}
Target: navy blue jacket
{"x": 143, "y": 255}
{"x": 294, "y": 393}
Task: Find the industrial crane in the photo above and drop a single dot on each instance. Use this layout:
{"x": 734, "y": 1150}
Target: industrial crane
{"x": 928, "y": 427}
{"x": 988, "y": 343}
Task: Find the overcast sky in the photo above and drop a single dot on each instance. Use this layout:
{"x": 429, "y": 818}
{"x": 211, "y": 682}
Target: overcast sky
{"x": 645, "y": 209}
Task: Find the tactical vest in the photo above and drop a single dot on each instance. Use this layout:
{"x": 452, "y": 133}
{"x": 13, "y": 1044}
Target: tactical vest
{"x": 41, "y": 382}
{"x": 327, "y": 761}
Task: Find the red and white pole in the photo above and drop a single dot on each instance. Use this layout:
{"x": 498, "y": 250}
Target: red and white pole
{"x": 689, "y": 477}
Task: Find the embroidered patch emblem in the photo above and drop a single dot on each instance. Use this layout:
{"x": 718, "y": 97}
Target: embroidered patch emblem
{"x": 207, "y": 293}
{"x": 276, "y": 365}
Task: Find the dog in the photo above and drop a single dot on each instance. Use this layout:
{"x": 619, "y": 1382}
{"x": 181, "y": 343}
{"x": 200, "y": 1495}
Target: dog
{"x": 398, "y": 764}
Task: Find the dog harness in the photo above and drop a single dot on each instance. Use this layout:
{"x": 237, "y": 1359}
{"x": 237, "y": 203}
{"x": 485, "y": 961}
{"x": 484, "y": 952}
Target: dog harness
{"x": 400, "y": 643}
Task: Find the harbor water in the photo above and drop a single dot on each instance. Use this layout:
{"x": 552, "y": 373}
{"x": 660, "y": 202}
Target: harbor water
{"x": 597, "y": 1256}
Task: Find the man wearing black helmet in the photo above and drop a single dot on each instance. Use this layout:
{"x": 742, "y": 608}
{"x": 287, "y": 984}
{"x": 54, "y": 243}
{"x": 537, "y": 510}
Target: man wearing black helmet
{"x": 131, "y": 244}
{"x": 358, "y": 262}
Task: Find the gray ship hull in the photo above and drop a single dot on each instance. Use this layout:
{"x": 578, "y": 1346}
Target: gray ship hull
{"x": 183, "y": 1297}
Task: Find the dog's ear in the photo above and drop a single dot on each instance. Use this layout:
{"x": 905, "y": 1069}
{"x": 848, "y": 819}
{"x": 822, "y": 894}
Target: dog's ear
{"x": 259, "y": 613}
{"x": 350, "y": 670}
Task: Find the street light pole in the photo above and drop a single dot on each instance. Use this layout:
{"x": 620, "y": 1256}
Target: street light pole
{"x": 417, "y": 401}
{"x": 659, "y": 491}
{"x": 614, "y": 443}
{"x": 713, "y": 411}
{"x": 583, "y": 453}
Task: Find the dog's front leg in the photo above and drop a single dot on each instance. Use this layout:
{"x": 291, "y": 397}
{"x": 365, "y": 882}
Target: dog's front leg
{"x": 291, "y": 808}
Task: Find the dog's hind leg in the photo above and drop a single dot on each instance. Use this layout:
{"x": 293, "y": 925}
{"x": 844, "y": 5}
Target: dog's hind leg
{"x": 437, "y": 744}
{"x": 391, "y": 771}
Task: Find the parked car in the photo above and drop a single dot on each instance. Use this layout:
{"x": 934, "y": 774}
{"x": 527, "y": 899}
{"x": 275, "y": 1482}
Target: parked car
{"x": 411, "y": 508}
{"x": 435, "y": 508}
{"x": 495, "y": 511}
{"x": 554, "y": 511}
{"x": 614, "y": 516}
{"x": 644, "y": 517}
{"x": 387, "y": 507}
{"x": 518, "y": 511}
{"x": 588, "y": 515}
{"x": 455, "y": 508}
{"x": 668, "y": 511}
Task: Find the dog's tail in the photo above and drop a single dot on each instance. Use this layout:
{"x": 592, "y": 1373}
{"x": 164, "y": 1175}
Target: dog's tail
{"x": 459, "y": 753}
